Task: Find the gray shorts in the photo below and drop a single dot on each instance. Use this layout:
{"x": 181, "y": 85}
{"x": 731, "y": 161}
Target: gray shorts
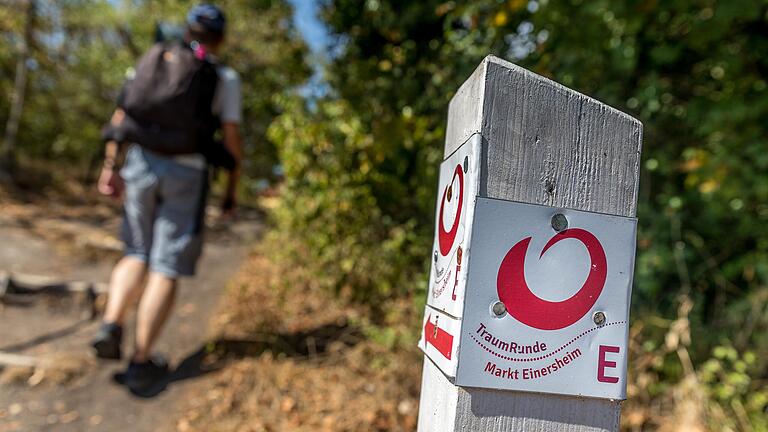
{"x": 163, "y": 211}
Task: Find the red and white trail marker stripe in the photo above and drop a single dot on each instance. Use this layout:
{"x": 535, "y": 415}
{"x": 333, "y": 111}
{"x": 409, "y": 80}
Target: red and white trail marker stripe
{"x": 438, "y": 338}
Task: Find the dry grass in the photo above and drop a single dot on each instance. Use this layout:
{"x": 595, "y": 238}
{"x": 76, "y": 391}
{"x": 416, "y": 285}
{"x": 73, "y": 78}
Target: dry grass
{"x": 361, "y": 385}
{"x": 315, "y": 372}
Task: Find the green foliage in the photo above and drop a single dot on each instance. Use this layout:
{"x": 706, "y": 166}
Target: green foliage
{"x": 730, "y": 381}
{"x": 331, "y": 204}
{"x": 83, "y": 49}
{"x": 360, "y": 169}
{"x": 694, "y": 73}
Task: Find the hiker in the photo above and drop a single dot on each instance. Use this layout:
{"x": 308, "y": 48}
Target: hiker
{"x": 168, "y": 148}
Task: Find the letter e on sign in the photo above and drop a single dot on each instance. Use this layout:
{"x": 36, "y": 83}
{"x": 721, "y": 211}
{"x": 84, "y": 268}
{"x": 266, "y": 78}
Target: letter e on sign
{"x": 602, "y": 363}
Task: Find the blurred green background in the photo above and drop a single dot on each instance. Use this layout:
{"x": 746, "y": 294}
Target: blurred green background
{"x": 79, "y": 52}
{"x": 360, "y": 142}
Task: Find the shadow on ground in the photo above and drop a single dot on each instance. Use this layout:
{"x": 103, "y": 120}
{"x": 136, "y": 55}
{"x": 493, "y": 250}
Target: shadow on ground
{"x": 213, "y": 355}
{"x": 47, "y": 337}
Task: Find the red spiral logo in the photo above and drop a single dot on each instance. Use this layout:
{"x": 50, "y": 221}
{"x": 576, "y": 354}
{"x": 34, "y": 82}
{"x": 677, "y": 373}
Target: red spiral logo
{"x": 533, "y": 311}
{"x": 446, "y": 238}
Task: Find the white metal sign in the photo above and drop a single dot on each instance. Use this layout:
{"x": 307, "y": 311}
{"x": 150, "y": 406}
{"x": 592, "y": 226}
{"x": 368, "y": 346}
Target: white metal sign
{"x": 546, "y": 309}
{"x": 456, "y": 195}
{"x": 439, "y": 339}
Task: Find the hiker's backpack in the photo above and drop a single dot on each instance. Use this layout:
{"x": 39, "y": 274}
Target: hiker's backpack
{"x": 168, "y": 102}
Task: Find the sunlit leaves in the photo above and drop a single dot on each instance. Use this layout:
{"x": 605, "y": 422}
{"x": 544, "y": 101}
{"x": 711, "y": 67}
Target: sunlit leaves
{"x": 84, "y": 48}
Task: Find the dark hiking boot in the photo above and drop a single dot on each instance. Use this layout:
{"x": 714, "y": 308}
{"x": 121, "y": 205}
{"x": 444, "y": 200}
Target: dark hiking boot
{"x": 107, "y": 341}
{"x": 142, "y": 377}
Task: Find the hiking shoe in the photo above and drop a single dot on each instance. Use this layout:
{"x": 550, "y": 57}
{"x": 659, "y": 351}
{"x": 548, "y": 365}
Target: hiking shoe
{"x": 142, "y": 377}
{"x": 107, "y": 341}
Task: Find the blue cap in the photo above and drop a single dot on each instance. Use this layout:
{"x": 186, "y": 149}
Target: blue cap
{"x": 210, "y": 17}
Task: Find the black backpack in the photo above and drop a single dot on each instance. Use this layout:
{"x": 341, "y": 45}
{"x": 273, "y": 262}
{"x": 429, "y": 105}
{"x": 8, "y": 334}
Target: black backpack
{"x": 168, "y": 105}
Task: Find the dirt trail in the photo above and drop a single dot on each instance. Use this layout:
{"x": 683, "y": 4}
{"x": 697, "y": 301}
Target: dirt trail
{"x": 58, "y": 328}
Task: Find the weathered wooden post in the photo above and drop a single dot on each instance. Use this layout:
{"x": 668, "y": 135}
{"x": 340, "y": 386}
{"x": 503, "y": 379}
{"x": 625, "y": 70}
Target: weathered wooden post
{"x": 525, "y": 327}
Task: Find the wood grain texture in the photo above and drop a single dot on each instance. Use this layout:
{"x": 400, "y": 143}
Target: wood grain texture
{"x": 496, "y": 410}
{"x": 438, "y": 411}
{"x": 550, "y": 145}
{"x": 544, "y": 144}
{"x": 465, "y": 111}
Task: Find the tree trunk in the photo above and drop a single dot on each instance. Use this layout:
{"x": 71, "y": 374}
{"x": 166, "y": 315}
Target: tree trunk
{"x": 8, "y": 155}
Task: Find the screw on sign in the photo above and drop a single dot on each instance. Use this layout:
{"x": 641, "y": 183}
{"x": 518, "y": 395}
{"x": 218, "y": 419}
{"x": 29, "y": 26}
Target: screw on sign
{"x": 498, "y": 308}
{"x": 559, "y": 222}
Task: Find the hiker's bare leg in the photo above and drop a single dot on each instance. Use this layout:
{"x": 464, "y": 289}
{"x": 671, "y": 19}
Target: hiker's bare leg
{"x": 154, "y": 308}
{"x": 124, "y": 288}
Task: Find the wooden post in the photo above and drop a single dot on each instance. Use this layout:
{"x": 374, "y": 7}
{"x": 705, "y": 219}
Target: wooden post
{"x": 542, "y": 143}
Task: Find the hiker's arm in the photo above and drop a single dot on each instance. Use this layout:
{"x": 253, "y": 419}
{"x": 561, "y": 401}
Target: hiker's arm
{"x": 110, "y": 183}
{"x": 233, "y": 144}
{"x": 112, "y": 152}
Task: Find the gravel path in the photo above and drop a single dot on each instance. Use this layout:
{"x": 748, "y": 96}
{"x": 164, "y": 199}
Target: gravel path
{"x": 52, "y": 328}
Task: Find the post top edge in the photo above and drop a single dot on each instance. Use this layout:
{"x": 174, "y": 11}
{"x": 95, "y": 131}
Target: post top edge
{"x": 492, "y": 59}
{"x": 478, "y": 73}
